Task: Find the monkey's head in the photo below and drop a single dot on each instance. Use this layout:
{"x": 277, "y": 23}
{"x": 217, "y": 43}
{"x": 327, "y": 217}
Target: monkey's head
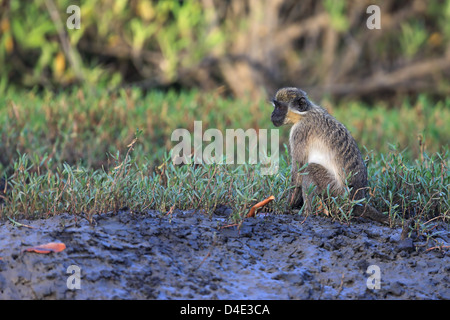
{"x": 290, "y": 105}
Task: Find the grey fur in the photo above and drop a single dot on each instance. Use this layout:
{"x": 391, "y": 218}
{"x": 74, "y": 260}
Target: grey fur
{"x": 325, "y": 144}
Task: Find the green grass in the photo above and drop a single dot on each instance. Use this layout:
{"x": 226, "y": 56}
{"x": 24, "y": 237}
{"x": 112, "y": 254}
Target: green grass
{"x": 397, "y": 188}
{"x": 60, "y": 154}
{"x": 400, "y": 190}
{"x": 84, "y": 125}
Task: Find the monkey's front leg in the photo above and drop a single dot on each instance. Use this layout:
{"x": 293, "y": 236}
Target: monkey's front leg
{"x": 295, "y": 197}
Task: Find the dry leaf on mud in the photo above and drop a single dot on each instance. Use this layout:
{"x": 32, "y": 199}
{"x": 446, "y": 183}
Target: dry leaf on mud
{"x": 323, "y": 208}
{"x": 261, "y": 204}
{"x": 47, "y": 248}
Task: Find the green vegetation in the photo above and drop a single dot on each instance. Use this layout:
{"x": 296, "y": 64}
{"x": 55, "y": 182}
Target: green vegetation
{"x": 83, "y": 126}
{"x": 246, "y": 46}
{"x": 68, "y": 144}
{"x": 80, "y": 153}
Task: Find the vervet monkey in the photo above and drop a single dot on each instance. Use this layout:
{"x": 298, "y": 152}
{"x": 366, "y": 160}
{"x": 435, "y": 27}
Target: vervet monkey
{"x": 319, "y": 140}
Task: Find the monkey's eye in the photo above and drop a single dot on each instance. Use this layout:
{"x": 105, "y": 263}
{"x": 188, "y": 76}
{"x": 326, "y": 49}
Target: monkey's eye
{"x": 276, "y": 104}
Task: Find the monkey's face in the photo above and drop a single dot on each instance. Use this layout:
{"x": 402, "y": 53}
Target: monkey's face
{"x": 279, "y": 113}
{"x": 289, "y": 106}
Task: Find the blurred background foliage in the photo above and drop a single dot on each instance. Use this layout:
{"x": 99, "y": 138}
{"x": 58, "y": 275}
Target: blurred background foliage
{"x": 76, "y": 95}
{"x": 248, "y": 47}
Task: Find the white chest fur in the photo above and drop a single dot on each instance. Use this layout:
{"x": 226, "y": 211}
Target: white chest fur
{"x": 319, "y": 153}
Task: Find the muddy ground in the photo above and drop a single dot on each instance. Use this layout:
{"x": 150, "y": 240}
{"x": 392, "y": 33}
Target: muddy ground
{"x": 187, "y": 255}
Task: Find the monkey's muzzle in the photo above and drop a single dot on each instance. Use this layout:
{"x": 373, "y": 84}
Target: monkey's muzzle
{"x": 278, "y": 114}
{"x": 277, "y": 122}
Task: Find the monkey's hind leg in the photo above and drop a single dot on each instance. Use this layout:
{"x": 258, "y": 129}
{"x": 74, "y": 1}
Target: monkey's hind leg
{"x": 316, "y": 182}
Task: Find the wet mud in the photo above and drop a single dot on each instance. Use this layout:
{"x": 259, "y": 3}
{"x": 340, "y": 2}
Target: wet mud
{"x": 189, "y": 255}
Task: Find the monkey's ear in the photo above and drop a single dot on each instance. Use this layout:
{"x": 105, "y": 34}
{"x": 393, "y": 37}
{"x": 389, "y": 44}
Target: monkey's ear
{"x": 301, "y": 104}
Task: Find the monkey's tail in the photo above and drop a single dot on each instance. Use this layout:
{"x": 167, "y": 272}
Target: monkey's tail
{"x": 367, "y": 211}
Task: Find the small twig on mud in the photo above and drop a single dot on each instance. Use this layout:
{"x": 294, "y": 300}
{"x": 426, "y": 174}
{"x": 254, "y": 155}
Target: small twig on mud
{"x": 341, "y": 286}
{"x": 290, "y": 255}
{"x": 207, "y": 255}
{"x": 229, "y": 225}
{"x": 435, "y": 218}
{"x": 209, "y": 252}
{"x": 438, "y": 247}
{"x": 20, "y": 224}
{"x": 304, "y": 220}
{"x": 170, "y": 210}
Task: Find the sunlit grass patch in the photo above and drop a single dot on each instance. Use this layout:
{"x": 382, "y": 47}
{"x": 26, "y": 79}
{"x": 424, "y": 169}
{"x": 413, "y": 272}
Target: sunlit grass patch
{"x": 60, "y": 155}
{"x": 82, "y": 126}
